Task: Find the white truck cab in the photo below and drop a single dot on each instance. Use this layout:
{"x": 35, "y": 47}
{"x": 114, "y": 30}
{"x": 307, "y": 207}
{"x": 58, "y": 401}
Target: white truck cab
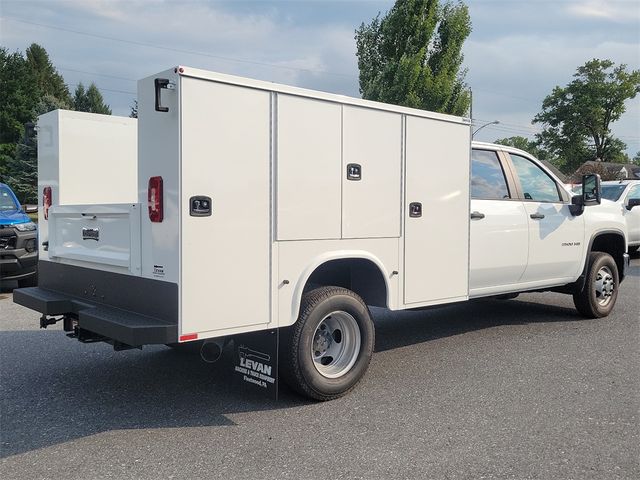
{"x": 516, "y": 201}
{"x": 274, "y": 209}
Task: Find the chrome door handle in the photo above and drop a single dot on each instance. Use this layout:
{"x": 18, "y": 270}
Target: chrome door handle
{"x": 537, "y": 216}
{"x": 477, "y": 216}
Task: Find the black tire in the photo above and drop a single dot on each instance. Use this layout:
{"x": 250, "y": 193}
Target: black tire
{"x": 297, "y": 366}
{"x": 588, "y": 301}
{"x": 507, "y": 296}
{"x": 633, "y": 249}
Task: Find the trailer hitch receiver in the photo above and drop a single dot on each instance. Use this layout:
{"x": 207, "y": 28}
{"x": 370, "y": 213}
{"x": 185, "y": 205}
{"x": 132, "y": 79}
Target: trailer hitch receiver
{"x": 46, "y": 321}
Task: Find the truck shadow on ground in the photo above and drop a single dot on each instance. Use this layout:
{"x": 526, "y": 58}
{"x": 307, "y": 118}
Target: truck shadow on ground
{"x": 57, "y": 390}
{"x": 398, "y": 330}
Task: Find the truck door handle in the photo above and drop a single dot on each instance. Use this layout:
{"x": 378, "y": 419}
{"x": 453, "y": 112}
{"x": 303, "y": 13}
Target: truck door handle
{"x": 477, "y": 216}
{"x": 537, "y": 216}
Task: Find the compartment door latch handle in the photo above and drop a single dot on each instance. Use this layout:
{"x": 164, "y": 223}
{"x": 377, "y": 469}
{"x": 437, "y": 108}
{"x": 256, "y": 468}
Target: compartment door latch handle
{"x": 415, "y": 209}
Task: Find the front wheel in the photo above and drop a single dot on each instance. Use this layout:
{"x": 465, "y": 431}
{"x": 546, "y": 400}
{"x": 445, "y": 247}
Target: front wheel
{"x": 328, "y": 350}
{"x": 600, "y": 291}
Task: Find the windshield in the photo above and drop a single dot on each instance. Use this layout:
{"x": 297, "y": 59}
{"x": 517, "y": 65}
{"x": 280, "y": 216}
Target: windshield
{"x": 609, "y": 192}
{"x": 6, "y": 200}
{"x": 612, "y": 192}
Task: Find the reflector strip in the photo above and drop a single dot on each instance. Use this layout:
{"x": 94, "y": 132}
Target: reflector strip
{"x": 189, "y": 336}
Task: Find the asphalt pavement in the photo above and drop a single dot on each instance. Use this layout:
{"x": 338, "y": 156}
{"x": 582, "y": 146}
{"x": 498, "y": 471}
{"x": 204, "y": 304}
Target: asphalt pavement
{"x": 490, "y": 389}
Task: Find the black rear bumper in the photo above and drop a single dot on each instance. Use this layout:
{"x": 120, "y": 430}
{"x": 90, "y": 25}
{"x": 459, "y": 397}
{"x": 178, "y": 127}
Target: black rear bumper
{"x": 131, "y": 310}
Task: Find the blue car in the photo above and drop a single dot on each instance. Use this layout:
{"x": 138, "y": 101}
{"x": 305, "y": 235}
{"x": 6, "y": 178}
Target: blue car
{"x": 18, "y": 241}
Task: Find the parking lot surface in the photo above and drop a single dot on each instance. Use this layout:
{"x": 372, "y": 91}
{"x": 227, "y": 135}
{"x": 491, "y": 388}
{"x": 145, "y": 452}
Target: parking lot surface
{"x": 511, "y": 389}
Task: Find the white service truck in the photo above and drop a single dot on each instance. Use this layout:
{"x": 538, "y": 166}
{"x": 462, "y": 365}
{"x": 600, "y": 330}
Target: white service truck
{"x": 269, "y": 208}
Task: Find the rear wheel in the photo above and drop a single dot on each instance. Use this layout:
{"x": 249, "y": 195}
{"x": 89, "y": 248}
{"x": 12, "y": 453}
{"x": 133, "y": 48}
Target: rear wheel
{"x": 600, "y": 291}
{"x": 328, "y": 350}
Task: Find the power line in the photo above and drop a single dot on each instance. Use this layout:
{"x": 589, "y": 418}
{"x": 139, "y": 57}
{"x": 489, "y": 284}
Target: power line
{"x": 178, "y": 50}
{"x": 503, "y": 126}
{"x": 98, "y": 74}
{"x": 105, "y": 89}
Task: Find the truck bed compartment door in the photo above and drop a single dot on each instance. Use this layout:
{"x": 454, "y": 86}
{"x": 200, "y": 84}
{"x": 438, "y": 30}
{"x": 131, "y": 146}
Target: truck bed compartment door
{"x": 225, "y": 279}
{"x": 436, "y": 263}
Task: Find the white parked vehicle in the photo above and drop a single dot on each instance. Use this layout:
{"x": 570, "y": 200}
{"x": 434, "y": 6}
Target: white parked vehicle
{"x": 626, "y": 195}
{"x": 268, "y": 208}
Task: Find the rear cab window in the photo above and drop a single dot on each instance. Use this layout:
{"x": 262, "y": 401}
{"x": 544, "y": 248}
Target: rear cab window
{"x": 488, "y": 181}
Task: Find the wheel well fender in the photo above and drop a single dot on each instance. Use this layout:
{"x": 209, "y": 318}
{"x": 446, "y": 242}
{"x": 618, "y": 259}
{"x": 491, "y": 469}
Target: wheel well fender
{"x": 608, "y": 241}
{"x": 359, "y": 271}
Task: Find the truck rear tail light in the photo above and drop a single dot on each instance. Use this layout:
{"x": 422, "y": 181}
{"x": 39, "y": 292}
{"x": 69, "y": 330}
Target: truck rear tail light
{"x": 154, "y": 197}
{"x": 46, "y": 201}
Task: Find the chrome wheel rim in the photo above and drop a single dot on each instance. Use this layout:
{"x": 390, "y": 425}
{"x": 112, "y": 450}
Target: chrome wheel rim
{"x": 604, "y": 286}
{"x": 335, "y": 344}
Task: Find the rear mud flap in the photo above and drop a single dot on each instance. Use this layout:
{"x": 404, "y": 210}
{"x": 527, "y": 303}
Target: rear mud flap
{"x": 255, "y": 362}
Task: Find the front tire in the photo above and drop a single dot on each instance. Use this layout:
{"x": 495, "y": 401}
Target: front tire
{"x": 328, "y": 350}
{"x": 600, "y": 290}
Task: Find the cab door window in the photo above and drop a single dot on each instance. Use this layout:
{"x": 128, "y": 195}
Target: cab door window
{"x": 536, "y": 184}
{"x": 487, "y": 177}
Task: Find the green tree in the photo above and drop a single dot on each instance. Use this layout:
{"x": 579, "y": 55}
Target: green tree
{"x": 530, "y": 146}
{"x": 636, "y": 159}
{"x": 19, "y": 95}
{"x": 577, "y": 118}
{"x": 412, "y": 56}
{"x": 89, "y": 100}
{"x": 29, "y": 86}
{"x": 23, "y": 170}
{"x": 523, "y": 143}
{"x": 49, "y": 81}
{"x": 134, "y": 110}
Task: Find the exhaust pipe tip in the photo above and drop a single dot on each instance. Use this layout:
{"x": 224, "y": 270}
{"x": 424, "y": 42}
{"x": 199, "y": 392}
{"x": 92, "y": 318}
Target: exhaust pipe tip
{"x": 211, "y": 351}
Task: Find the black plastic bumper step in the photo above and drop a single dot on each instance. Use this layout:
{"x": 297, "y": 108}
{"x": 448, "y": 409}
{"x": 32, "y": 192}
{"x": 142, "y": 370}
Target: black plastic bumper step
{"x": 124, "y": 326}
{"x": 127, "y": 327}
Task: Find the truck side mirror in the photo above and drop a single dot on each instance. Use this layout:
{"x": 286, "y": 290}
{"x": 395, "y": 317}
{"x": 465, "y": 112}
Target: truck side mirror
{"x": 633, "y": 202}
{"x": 591, "y": 190}
{"x": 30, "y": 208}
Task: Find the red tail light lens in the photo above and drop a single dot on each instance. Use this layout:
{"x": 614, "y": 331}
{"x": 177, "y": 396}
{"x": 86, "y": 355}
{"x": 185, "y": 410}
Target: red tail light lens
{"x": 154, "y": 197}
{"x": 46, "y": 201}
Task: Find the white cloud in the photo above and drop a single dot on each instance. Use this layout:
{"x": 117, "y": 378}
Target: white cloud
{"x": 617, "y": 11}
{"x": 517, "y": 53}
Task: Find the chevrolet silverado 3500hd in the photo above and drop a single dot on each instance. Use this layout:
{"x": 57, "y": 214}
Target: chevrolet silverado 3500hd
{"x": 264, "y": 207}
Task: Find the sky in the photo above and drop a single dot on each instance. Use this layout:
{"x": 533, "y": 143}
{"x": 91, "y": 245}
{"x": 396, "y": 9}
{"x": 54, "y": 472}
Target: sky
{"x": 518, "y": 51}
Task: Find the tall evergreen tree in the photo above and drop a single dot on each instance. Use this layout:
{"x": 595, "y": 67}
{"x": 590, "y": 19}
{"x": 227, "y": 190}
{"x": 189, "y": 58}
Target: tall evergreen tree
{"x": 134, "y": 110}
{"x": 49, "y": 80}
{"x": 23, "y": 170}
{"x": 413, "y": 56}
{"x": 19, "y": 94}
{"x": 90, "y": 100}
